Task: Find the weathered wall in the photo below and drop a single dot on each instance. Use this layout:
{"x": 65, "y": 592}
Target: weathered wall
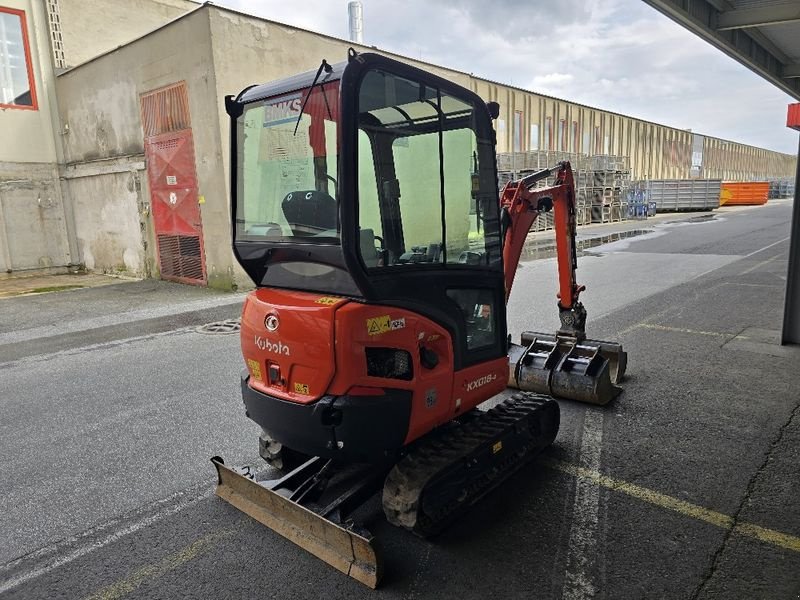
{"x": 36, "y": 224}
{"x": 33, "y": 230}
{"x": 99, "y": 107}
{"x": 110, "y": 197}
{"x": 92, "y": 27}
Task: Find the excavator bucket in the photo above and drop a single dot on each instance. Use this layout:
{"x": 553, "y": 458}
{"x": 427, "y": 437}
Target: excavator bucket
{"x": 350, "y": 552}
{"x": 564, "y": 367}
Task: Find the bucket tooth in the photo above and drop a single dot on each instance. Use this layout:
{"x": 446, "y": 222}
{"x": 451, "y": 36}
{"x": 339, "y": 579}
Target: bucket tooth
{"x": 350, "y": 552}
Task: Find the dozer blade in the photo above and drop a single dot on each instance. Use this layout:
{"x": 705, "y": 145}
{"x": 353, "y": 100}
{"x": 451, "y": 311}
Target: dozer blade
{"x": 349, "y": 552}
{"x": 585, "y": 371}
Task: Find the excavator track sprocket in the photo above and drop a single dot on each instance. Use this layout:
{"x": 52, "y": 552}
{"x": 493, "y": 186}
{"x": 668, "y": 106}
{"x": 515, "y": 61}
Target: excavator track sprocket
{"x": 443, "y": 476}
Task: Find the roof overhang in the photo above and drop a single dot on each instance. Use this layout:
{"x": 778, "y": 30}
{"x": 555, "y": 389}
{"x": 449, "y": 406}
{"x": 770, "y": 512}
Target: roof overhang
{"x": 763, "y": 35}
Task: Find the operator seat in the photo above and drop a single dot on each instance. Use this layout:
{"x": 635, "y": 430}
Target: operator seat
{"x": 310, "y": 212}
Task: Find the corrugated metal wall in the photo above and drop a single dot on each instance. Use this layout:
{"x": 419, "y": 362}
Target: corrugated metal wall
{"x": 655, "y": 151}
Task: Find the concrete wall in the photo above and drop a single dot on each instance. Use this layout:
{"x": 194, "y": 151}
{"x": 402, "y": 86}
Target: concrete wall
{"x": 35, "y": 218}
{"x": 111, "y": 198}
{"x": 33, "y": 228}
{"x": 99, "y": 108}
{"x": 92, "y": 27}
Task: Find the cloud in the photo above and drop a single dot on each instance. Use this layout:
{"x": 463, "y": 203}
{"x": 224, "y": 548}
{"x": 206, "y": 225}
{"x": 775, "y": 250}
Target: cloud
{"x": 618, "y": 55}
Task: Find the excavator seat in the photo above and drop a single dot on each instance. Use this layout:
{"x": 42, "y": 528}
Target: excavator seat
{"x": 309, "y": 212}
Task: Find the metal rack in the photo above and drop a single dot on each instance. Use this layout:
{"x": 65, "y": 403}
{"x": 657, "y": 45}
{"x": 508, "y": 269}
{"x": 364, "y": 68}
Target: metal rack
{"x": 601, "y": 183}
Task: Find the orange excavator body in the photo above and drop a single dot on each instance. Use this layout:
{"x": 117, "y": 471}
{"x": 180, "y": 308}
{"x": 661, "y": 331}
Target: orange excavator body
{"x": 365, "y": 209}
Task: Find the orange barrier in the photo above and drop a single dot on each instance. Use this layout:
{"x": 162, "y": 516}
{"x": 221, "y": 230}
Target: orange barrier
{"x": 744, "y": 192}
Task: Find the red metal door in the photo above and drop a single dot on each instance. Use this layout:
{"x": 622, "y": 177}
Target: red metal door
{"x": 169, "y": 151}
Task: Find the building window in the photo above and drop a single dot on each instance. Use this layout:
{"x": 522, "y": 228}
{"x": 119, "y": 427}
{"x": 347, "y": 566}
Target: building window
{"x": 517, "y": 131}
{"x": 548, "y": 133}
{"x": 576, "y": 137}
{"x": 534, "y": 143}
{"x": 16, "y": 76}
{"x": 562, "y": 135}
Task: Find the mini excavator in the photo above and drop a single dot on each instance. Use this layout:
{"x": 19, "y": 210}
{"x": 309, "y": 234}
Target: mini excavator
{"x": 365, "y": 209}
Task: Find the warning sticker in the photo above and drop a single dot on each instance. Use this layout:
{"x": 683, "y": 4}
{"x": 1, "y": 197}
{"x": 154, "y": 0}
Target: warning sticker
{"x": 326, "y": 300}
{"x": 377, "y": 325}
{"x": 172, "y": 180}
{"x": 255, "y": 369}
{"x": 384, "y": 323}
{"x": 301, "y": 388}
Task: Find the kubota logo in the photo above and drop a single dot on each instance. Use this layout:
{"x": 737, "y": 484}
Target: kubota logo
{"x": 480, "y": 382}
{"x": 270, "y": 346}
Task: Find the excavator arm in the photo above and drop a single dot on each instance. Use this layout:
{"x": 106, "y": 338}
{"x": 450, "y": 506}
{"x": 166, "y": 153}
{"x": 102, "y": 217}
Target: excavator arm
{"x": 521, "y": 204}
{"x": 567, "y": 364}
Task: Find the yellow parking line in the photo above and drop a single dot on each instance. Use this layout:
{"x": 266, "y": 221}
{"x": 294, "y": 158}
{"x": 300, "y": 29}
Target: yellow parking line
{"x": 169, "y": 563}
{"x": 770, "y": 536}
{"x": 674, "y": 329}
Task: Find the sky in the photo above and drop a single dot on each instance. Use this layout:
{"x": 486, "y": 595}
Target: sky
{"x": 618, "y": 55}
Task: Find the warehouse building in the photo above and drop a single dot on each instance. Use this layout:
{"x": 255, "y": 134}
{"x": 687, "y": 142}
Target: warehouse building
{"x": 136, "y": 173}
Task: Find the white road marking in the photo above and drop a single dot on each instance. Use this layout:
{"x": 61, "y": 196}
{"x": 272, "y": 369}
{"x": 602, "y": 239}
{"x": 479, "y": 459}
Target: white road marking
{"x": 92, "y": 545}
{"x": 86, "y": 542}
{"x": 582, "y": 549}
{"x": 767, "y": 247}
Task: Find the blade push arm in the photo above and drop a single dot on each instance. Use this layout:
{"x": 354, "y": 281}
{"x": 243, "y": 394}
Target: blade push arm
{"x": 520, "y": 205}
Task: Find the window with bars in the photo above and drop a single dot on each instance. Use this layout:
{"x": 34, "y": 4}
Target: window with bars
{"x": 16, "y": 74}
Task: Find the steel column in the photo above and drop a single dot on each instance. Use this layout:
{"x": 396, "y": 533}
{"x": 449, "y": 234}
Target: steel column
{"x": 791, "y": 309}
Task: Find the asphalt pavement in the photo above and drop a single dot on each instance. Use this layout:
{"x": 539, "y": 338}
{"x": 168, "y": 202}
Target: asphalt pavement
{"x": 685, "y": 486}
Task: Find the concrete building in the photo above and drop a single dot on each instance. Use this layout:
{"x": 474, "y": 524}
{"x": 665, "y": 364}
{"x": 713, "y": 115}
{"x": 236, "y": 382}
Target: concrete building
{"x": 38, "y": 40}
{"x": 139, "y": 138}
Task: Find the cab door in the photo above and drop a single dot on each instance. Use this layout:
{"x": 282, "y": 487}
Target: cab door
{"x": 424, "y": 232}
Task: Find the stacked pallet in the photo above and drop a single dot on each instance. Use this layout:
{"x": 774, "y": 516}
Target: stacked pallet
{"x": 781, "y": 188}
{"x": 601, "y": 183}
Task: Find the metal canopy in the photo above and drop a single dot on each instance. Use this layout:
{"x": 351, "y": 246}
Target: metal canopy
{"x": 763, "y": 35}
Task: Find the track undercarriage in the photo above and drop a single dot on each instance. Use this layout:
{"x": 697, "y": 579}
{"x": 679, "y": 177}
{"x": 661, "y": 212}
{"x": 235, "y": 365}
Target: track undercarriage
{"x": 435, "y": 481}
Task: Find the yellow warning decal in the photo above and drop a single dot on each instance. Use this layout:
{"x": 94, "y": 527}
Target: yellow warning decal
{"x": 378, "y": 325}
{"x": 327, "y": 300}
{"x": 497, "y": 447}
{"x": 301, "y": 388}
{"x": 255, "y": 369}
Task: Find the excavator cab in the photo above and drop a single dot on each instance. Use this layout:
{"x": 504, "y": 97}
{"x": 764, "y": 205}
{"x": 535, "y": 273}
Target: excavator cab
{"x": 376, "y": 181}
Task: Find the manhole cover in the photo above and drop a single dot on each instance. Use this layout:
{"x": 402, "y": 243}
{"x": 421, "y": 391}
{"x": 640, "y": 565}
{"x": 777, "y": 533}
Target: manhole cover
{"x": 220, "y": 327}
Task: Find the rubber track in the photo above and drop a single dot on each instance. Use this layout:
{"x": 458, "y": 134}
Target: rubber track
{"x": 407, "y": 481}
